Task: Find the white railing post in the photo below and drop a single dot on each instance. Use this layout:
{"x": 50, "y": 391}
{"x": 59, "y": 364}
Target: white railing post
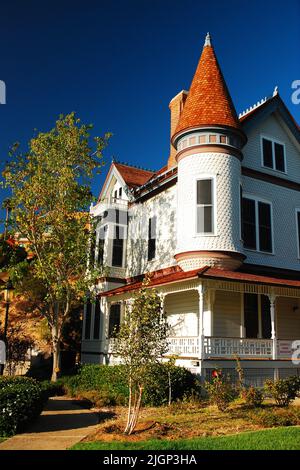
{"x": 201, "y": 293}
{"x": 272, "y": 299}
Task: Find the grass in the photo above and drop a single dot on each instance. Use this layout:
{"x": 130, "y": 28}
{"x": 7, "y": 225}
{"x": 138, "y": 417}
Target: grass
{"x": 287, "y": 438}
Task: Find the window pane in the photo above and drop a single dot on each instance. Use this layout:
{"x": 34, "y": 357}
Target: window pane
{"x": 151, "y": 238}
{"x": 265, "y": 232}
{"x": 88, "y": 312}
{"x": 114, "y": 319}
{"x": 248, "y": 223}
{"x": 279, "y": 157}
{"x": 101, "y": 241}
{"x": 267, "y": 153}
{"x": 251, "y": 315}
{"x": 204, "y": 192}
{"x": 205, "y": 219}
{"x": 97, "y": 320}
{"x": 117, "y": 253}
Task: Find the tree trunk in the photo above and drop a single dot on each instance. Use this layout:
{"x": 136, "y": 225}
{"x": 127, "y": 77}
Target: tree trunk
{"x": 56, "y": 355}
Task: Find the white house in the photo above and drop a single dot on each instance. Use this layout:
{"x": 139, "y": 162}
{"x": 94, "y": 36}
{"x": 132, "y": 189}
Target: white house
{"x": 218, "y": 228}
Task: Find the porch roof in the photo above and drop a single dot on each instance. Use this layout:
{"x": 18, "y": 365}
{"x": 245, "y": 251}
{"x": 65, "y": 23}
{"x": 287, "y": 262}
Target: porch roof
{"x": 214, "y": 273}
{"x": 158, "y": 278}
{"x": 157, "y": 281}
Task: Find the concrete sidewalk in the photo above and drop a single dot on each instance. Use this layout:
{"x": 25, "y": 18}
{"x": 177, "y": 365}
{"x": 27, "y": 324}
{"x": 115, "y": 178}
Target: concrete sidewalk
{"x": 61, "y": 424}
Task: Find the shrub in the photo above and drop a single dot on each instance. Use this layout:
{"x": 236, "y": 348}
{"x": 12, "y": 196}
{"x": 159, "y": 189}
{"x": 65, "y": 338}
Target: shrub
{"x": 272, "y": 417}
{"x": 110, "y": 382}
{"x": 283, "y": 390}
{"x": 21, "y": 400}
{"x": 253, "y": 396}
{"x": 51, "y": 389}
{"x": 220, "y": 390}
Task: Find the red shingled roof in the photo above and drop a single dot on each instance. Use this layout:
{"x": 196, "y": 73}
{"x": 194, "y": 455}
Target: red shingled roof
{"x": 132, "y": 176}
{"x": 208, "y": 101}
{"x": 156, "y": 281}
{"x": 206, "y": 272}
{"x": 253, "y": 278}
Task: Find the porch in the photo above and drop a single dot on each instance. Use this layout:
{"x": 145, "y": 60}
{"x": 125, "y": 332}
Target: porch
{"x": 216, "y": 316}
{"x": 217, "y": 347}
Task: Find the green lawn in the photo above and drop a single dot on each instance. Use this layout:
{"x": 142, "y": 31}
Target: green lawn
{"x": 287, "y": 438}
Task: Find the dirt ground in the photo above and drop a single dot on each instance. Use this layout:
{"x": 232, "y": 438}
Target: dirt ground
{"x": 177, "y": 421}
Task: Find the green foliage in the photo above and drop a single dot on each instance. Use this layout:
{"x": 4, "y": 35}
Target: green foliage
{"x": 283, "y": 390}
{"x": 220, "y": 390}
{"x": 51, "y": 195}
{"x": 50, "y": 389}
{"x": 108, "y": 384}
{"x": 10, "y": 253}
{"x": 140, "y": 343}
{"x": 21, "y": 400}
{"x": 253, "y": 396}
{"x": 156, "y": 392}
{"x": 272, "y": 417}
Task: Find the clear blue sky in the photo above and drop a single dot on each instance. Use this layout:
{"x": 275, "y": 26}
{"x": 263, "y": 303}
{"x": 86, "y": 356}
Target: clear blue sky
{"x": 117, "y": 63}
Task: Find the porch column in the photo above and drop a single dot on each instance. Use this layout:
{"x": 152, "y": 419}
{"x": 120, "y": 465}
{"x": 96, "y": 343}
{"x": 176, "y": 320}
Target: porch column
{"x": 201, "y": 291}
{"x": 272, "y": 298}
{"x": 105, "y": 319}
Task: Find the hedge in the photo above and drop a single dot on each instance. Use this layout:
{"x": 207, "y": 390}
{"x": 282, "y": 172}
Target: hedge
{"x": 109, "y": 383}
{"x": 21, "y": 400}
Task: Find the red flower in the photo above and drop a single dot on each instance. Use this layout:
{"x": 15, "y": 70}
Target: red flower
{"x": 215, "y": 374}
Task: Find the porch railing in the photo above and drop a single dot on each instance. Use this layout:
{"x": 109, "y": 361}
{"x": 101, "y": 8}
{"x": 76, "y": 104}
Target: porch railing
{"x": 242, "y": 347}
{"x": 217, "y": 347}
{"x": 184, "y": 346}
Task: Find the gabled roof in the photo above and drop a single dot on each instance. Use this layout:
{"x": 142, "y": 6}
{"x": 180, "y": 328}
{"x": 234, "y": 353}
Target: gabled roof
{"x": 269, "y": 106}
{"x": 133, "y": 176}
{"x": 208, "y": 101}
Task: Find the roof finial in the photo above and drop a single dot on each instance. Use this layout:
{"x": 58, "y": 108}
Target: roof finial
{"x": 207, "y": 40}
{"x": 275, "y": 92}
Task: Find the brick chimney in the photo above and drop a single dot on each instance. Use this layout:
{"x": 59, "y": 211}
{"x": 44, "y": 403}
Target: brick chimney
{"x": 176, "y": 107}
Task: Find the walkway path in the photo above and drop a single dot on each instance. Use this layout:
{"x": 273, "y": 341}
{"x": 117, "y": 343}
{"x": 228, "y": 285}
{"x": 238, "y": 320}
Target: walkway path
{"x": 62, "y": 423}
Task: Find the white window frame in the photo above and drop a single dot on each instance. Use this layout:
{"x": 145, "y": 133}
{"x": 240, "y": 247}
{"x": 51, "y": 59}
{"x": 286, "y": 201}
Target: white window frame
{"x": 297, "y": 210}
{"x": 273, "y": 141}
{"x": 258, "y": 199}
{"x": 214, "y": 206}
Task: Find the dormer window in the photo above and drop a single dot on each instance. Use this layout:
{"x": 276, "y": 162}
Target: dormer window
{"x": 273, "y": 155}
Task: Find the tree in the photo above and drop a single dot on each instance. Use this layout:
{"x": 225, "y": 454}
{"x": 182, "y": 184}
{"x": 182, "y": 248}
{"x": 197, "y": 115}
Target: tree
{"x": 51, "y": 194}
{"x": 140, "y": 343}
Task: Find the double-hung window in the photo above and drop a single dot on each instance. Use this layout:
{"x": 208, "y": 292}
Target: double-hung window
{"x": 151, "y": 238}
{"x": 117, "y": 246}
{"x": 273, "y": 155}
{"x": 114, "y": 319}
{"x": 257, "y": 225}
{"x": 205, "y": 206}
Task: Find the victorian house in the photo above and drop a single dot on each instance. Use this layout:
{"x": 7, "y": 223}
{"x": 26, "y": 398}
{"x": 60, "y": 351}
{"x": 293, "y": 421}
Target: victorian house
{"x": 218, "y": 228}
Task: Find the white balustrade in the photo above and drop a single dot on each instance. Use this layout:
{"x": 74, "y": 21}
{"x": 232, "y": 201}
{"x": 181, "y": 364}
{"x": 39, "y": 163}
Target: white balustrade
{"x": 184, "y": 346}
{"x": 242, "y": 347}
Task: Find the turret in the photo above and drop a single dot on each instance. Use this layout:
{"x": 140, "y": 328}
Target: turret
{"x": 208, "y": 141}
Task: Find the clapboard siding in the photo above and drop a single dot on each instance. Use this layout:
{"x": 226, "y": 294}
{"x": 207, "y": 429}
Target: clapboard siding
{"x": 227, "y": 314}
{"x": 288, "y": 320}
{"x": 182, "y": 311}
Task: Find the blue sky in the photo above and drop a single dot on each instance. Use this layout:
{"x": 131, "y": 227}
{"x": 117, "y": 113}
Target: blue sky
{"x": 118, "y": 63}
